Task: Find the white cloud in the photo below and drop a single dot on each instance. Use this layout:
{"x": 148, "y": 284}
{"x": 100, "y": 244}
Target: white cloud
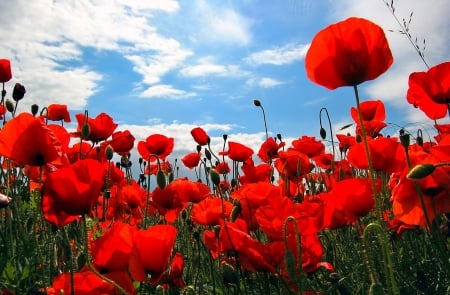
{"x": 269, "y": 82}
{"x": 207, "y": 67}
{"x": 46, "y": 40}
{"x": 165, "y": 91}
{"x": 264, "y": 82}
{"x": 278, "y": 56}
{"x": 221, "y": 25}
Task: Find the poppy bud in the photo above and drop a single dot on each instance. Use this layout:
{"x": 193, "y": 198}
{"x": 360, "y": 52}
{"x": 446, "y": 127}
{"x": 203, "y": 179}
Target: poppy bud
{"x": 199, "y": 148}
{"x": 34, "y": 109}
{"x": 161, "y": 179}
{"x": 404, "y": 138}
{"x": 257, "y": 103}
{"x": 171, "y": 176}
{"x": 420, "y": 171}
{"x": 9, "y": 105}
{"x": 215, "y": 177}
{"x": 236, "y": 211}
{"x": 109, "y": 151}
{"x": 124, "y": 162}
{"x": 279, "y": 136}
{"x": 419, "y": 140}
{"x": 225, "y": 137}
{"x": 208, "y": 154}
{"x": 229, "y": 274}
{"x": 85, "y": 131}
{"x": 18, "y": 92}
{"x": 323, "y": 133}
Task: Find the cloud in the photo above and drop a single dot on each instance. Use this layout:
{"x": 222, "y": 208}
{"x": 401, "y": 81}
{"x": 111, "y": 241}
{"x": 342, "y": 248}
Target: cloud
{"x": 264, "y": 82}
{"x": 221, "y": 25}
{"x": 278, "y": 56}
{"x": 207, "y": 67}
{"x": 51, "y": 38}
{"x": 166, "y": 91}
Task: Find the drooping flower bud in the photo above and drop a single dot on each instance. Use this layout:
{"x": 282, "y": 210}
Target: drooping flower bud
{"x": 215, "y": 177}
{"x": 420, "y": 171}
{"x": 9, "y": 105}
{"x": 257, "y": 103}
{"x": 236, "y": 211}
{"x": 34, "y": 109}
{"x": 404, "y": 138}
{"x": 161, "y": 179}
{"x": 109, "y": 151}
{"x": 85, "y": 131}
{"x": 18, "y": 92}
{"x": 208, "y": 154}
{"x": 323, "y": 133}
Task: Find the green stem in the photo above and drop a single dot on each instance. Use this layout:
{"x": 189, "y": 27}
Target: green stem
{"x": 369, "y": 158}
{"x": 386, "y": 254}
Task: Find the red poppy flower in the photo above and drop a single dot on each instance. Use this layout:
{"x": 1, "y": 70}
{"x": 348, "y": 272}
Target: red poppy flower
{"x": 100, "y": 127}
{"x": 164, "y": 166}
{"x": 269, "y": 150}
{"x": 200, "y": 136}
{"x": 112, "y": 250}
{"x": 430, "y": 91}
{"x": 348, "y": 53}
{"x": 258, "y": 173}
{"x": 131, "y": 194}
{"x": 156, "y": 145}
{"x": 210, "y": 211}
{"x": 71, "y": 191}
{"x": 189, "y": 191}
{"x": 58, "y": 112}
{"x": 122, "y": 142}
{"x": 191, "y": 160}
{"x": 370, "y": 110}
{"x": 238, "y": 152}
{"x": 88, "y": 283}
{"x": 309, "y": 146}
{"x": 293, "y": 164}
{"x": 406, "y": 203}
{"x": 345, "y": 142}
{"x": 28, "y": 141}
{"x": 223, "y": 168}
{"x": 5, "y": 70}
{"x": 174, "y": 279}
{"x": 271, "y": 217}
{"x": 387, "y": 154}
{"x": 151, "y": 252}
{"x": 168, "y": 203}
{"x": 253, "y": 255}
{"x": 253, "y": 195}
{"x": 348, "y": 200}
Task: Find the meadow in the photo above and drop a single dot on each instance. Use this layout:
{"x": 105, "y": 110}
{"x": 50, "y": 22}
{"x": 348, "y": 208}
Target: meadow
{"x": 361, "y": 213}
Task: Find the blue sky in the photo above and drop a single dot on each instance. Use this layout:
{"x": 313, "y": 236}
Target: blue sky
{"x": 167, "y": 66}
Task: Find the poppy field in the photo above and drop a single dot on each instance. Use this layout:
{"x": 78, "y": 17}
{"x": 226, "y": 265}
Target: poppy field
{"x": 361, "y": 213}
